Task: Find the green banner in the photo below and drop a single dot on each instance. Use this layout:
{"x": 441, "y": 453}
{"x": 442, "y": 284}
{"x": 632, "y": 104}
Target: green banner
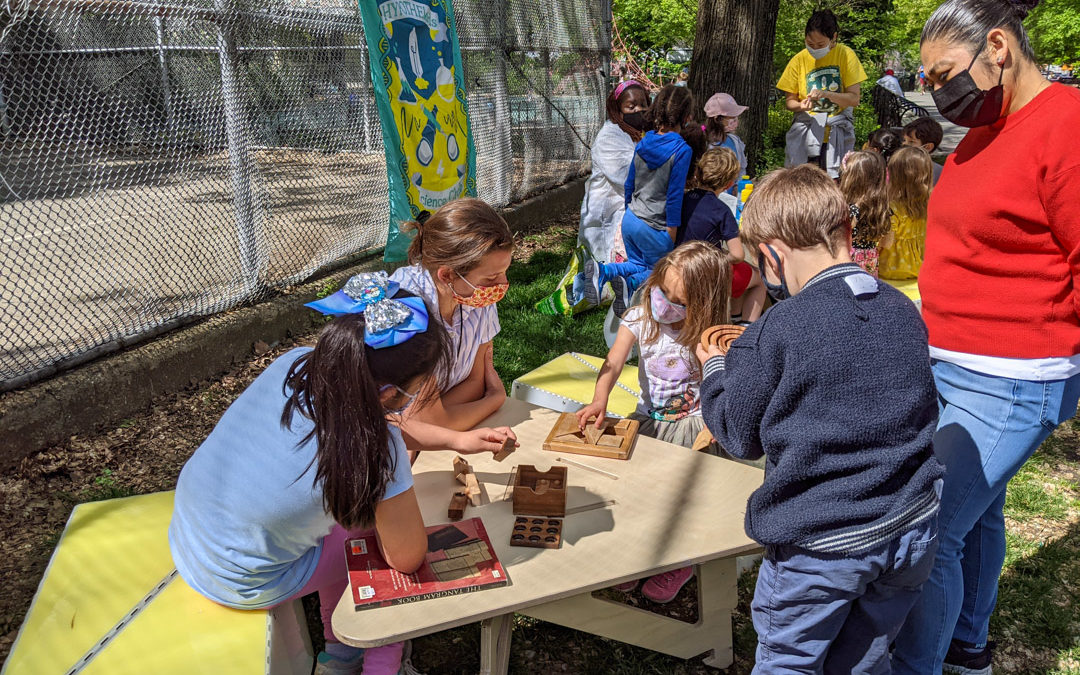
{"x": 420, "y": 91}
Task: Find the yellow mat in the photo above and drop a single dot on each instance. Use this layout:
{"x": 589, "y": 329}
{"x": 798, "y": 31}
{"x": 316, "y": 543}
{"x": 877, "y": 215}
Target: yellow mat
{"x": 112, "y": 556}
{"x": 571, "y": 379}
{"x": 909, "y": 287}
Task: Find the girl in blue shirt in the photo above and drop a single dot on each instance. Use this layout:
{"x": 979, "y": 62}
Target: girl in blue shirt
{"x": 307, "y": 456}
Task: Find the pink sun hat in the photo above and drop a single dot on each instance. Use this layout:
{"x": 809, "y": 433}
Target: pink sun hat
{"x": 723, "y": 105}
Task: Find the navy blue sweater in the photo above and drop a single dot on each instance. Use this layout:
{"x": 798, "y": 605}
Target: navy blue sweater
{"x": 834, "y": 386}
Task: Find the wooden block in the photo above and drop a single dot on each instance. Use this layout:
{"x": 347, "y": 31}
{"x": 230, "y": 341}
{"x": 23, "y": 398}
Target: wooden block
{"x": 536, "y": 532}
{"x": 615, "y": 440}
{"x": 472, "y": 489}
{"x": 703, "y": 441}
{"x": 721, "y": 336}
{"x": 461, "y": 468}
{"x": 457, "y": 506}
{"x": 540, "y": 493}
{"x": 509, "y": 446}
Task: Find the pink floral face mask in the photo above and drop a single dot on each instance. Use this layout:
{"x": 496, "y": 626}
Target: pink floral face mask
{"x": 664, "y": 310}
{"x": 482, "y": 296}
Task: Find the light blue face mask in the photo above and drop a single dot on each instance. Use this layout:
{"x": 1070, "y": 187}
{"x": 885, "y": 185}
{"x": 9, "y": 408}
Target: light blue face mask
{"x": 408, "y": 398}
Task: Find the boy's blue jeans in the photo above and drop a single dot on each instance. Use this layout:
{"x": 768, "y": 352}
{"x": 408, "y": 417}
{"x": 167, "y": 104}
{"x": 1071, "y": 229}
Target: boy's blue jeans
{"x": 644, "y": 248}
{"x": 988, "y": 427}
{"x": 837, "y": 613}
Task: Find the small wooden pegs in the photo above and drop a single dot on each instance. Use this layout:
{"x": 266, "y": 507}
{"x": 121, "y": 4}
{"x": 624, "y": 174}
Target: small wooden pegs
{"x": 457, "y": 506}
{"x": 721, "y": 336}
{"x": 509, "y": 446}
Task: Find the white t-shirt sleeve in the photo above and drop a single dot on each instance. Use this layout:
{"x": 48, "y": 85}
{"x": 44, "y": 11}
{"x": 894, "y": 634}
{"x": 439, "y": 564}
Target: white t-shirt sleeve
{"x": 402, "y": 479}
{"x": 489, "y": 326}
{"x": 632, "y": 319}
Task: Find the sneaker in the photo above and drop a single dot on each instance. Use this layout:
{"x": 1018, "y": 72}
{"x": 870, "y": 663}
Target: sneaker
{"x": 664, "y": 587}
{"x": 626, "y": 587}
{"x": 961, "y": 659}
{"x": 622, "y": 296}
{"x": 591, "y": 272}
{"x": 327, "y": 664}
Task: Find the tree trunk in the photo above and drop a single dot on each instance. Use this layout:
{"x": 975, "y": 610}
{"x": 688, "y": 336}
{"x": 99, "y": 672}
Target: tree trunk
{"x": 733, "y": 53}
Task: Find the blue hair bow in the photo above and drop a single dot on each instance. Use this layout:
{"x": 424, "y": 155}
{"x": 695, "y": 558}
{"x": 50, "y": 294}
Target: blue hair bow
{"x": 389, "y": 321}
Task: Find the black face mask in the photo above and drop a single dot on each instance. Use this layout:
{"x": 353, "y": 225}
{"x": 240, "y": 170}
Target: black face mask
{"x": 777, "y": 291}
{"x": 962, "y": 102}
{"x": 635, "y": 120}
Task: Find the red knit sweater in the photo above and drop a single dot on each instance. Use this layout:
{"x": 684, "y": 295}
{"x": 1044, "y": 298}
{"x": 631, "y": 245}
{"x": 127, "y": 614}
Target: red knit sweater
{"x": 1003, "y": 236}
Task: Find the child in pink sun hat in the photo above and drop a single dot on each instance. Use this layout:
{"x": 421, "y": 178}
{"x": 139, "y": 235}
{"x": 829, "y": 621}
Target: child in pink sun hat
{"x": 722, "y": 119}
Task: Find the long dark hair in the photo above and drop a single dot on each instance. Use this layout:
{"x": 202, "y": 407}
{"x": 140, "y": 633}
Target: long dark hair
{"x": 336, "y": 386}
{"x": 967, "y": 22}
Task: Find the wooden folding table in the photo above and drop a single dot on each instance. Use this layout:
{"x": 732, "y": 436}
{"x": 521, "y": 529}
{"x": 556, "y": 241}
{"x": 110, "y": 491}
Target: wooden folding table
{"x": 666, "y": 507}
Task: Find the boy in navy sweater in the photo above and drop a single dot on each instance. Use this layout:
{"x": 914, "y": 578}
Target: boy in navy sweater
{"x": 834, "y": 387}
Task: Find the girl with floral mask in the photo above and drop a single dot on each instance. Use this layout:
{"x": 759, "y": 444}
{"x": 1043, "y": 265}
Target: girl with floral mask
{"x": 458, "y": 261}
{"x": 721, "y": 121}
{"x": 688, "y": 291}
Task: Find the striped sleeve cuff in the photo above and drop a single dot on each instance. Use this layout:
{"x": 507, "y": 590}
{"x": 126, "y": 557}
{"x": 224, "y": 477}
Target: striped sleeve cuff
{"x": 713, "y": 365}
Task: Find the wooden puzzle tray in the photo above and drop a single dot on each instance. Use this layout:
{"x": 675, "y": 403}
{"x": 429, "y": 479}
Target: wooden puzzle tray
{"x": 721, "y": 336}
{"x": 614, "y": 440}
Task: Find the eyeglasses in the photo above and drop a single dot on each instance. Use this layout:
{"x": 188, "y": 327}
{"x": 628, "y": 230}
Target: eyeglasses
{"x": 408, "y": 397}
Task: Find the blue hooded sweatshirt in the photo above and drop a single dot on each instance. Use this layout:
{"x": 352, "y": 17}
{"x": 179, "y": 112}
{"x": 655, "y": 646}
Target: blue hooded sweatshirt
{"x": 657, "y": 179}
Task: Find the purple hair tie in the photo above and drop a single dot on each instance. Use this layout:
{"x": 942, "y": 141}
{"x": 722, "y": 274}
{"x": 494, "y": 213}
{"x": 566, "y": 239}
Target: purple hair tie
{"x": 623, "y": 86}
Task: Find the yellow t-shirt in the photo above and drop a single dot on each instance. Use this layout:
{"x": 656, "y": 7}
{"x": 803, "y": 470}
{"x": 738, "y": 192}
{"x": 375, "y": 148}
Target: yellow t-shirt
{"x": 839, "y": 70}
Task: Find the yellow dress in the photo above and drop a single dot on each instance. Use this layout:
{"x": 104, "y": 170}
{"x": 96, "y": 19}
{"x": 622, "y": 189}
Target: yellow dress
{"x": 904, "y": 257}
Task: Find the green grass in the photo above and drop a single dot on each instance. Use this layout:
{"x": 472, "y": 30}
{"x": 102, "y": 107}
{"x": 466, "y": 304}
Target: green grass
{"x": 528, "y": 338}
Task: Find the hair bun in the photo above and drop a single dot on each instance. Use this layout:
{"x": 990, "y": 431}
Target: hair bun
{"x": 1022, "y": 7}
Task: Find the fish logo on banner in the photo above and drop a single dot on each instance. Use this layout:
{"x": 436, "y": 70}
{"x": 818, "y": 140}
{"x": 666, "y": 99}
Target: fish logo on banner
{"x": 420, "y": 92}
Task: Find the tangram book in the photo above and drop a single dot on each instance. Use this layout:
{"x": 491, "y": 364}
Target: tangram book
{"x": 459, "y": 560}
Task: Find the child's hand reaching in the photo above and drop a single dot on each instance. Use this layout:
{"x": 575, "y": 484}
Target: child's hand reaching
{"x": 704, "y": 354}
{"x": 480, "y": 440}
{"x": 596, "y": 409}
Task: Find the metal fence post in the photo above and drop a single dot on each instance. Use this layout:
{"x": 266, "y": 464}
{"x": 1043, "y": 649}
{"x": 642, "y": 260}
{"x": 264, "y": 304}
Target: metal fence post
{"x": 240, "y": 165}
{"x": 504, "y": 155}
{"x": 166, "y": 88}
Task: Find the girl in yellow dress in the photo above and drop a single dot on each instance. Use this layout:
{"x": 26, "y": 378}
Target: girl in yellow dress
{"x": 910, "y": 175}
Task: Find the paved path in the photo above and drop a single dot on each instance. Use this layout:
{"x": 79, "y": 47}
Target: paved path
{"x": 953, "y": 133}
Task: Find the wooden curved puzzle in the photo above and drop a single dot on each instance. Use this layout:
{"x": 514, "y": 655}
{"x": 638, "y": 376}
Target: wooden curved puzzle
{"x": 721, "y": 336}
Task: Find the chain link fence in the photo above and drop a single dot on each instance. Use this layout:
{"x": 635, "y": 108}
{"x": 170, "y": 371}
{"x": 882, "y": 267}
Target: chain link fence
{"x": 167, "y": 161}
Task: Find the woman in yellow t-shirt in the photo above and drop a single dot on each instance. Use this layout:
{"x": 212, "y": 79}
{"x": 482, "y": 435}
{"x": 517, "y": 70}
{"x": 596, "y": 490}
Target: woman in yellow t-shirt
{"x": 823, "y": 84}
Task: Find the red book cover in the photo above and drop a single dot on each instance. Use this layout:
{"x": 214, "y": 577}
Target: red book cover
{"x": 460, "y": 559}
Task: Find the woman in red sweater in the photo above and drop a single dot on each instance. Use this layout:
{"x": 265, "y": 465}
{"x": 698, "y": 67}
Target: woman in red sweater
{"x": 1000, "y": 299}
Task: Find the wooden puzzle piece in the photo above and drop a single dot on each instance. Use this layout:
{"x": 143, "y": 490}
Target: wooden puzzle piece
{"x": 592, "y": 434}
{"x": 461, "y": 468}
{"x": 537, "y": 532}
{"x": 457, "y": 506}
{"x": 509, "y": 446}
{"x": 473, "y": 490}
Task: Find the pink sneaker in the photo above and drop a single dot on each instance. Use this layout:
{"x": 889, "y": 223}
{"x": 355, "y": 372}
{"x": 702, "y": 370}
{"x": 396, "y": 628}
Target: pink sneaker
{"x": 626, "y": 587}
{"x": 664, "y": 587}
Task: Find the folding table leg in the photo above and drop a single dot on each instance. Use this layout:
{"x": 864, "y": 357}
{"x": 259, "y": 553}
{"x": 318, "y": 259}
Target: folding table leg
{"x": 495, "y": 644}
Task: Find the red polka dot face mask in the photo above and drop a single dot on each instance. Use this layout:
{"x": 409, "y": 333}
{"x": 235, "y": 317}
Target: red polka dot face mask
{"x": 482, "y": 296}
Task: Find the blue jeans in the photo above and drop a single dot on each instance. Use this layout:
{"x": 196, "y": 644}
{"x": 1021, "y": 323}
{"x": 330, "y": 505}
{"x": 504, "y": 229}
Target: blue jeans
{"x": 988, "y": 427}
{"x": 644, "y": 248}
{"x": 837, "y": 613}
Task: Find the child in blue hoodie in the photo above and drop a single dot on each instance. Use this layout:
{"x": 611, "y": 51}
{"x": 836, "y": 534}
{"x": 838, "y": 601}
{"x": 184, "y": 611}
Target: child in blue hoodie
{"x": 654, "y": 195}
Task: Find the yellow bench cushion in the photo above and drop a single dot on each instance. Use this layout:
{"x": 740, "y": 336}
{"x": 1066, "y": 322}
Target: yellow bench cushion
{"x": 566, "y": 384}
{"x": 111, "y": 557}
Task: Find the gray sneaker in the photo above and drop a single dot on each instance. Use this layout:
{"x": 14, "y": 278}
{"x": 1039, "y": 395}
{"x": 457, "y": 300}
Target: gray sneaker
{"x": 591, "y": 272}
{"x": 961, "y": 660}
{"x": 622, "y": 296}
